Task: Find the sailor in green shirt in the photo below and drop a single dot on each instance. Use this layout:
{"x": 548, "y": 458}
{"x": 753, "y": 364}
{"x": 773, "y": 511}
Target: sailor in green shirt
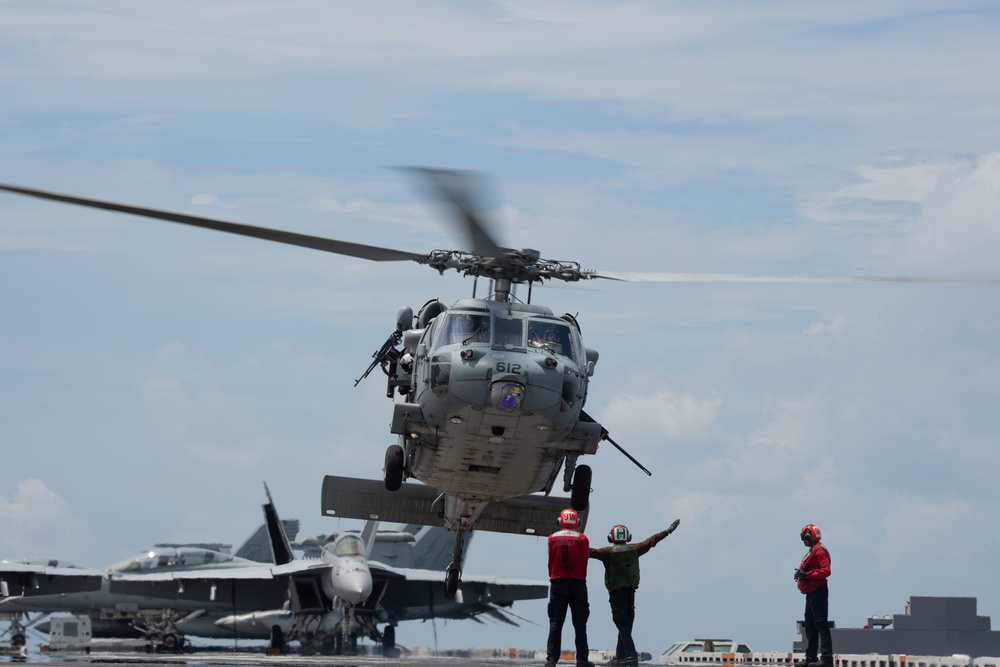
{"x": 621, "y": 576}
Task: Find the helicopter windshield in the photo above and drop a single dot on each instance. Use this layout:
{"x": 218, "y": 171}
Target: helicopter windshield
{"x": 552, "y": 336}
{"x": 465, "y": 328}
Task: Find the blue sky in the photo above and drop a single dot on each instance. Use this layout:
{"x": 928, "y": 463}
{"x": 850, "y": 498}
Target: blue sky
{"x": 151, "y": 377}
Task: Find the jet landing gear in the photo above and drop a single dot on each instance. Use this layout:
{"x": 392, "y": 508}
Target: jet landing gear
{"x": 389, "y": 639}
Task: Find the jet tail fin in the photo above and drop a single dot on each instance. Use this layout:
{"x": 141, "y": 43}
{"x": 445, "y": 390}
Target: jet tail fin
{"x": 368, "y": 536}
{"x": 433, "y": 546}
{"x": 280, "y": 548}
{"x": 258, "y": 546}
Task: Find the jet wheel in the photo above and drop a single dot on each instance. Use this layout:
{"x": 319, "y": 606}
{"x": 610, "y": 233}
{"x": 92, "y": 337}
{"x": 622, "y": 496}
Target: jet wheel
{"x": 451, "y": 580}
{"x": 393, "y": 468}
{"x": 172, "y": 642}
{"x": 389, "y": 637}
{"x": 580, "y": 497}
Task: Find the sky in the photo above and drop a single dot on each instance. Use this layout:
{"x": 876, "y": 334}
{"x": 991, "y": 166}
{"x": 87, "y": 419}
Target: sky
{"x": 152, "y": 376}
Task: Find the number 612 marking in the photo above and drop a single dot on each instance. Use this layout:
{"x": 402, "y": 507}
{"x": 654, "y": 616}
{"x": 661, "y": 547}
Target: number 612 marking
{"x": 505, "y": 367}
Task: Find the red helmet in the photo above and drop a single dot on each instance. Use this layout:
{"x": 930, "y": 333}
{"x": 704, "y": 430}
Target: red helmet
{"x": 569, "y": 519}
{"x": 810, "y": 534}
{"x": 619, "y": 534}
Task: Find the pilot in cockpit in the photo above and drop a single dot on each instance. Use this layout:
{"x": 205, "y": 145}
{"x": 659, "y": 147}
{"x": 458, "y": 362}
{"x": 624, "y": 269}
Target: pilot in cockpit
{"x": 552, "y": 341}
{"x": 548, "y": 340}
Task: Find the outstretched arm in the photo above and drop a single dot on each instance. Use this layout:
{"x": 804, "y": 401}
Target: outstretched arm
{"x": 650, "y": 542}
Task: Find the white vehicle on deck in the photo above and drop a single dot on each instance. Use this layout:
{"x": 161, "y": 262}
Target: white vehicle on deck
{"x": 694, "y": 651}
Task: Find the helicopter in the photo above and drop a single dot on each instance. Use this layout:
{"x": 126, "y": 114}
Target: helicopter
{"x": 492, "y": 389}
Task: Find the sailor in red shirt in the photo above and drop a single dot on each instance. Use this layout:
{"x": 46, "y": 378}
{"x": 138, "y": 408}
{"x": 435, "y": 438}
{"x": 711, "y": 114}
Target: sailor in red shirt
{"x": 811, "y": 578}
{"x": 569, "y": 551}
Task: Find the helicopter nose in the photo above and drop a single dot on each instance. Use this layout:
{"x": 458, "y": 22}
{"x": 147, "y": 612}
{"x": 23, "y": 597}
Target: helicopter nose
{"x": 355, "y": 586}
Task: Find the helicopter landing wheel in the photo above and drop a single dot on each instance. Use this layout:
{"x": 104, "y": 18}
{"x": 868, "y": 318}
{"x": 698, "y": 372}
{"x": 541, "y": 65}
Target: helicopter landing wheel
{"x": 580, "y": 497}
{"x": 393, "y": 468}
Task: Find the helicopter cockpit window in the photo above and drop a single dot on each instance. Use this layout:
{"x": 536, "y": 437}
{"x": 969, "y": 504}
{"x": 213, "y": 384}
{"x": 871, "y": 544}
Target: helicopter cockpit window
{"x": 509, "y": 333}
{"x": 349, "y": 546}
{"x": 551, "y": 336}
{"x": 465, "y": 328}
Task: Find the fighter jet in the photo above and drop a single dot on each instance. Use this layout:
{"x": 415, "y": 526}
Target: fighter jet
{"x": 171, "y": 591}
{"x": 162, "y": 588}
{"x": 410, "y": 588}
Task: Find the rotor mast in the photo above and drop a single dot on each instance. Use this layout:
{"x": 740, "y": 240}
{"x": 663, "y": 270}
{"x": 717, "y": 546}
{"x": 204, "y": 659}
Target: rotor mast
{"x": 501, "y": 290}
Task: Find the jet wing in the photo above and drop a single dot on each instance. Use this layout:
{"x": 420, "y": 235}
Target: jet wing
{"x": 352, "y": 498}
{"x": 199, "y": 575}
{"x": 20, "y": 581}
{"x": 14, "y": 569}
{"x": 420, "y": 594}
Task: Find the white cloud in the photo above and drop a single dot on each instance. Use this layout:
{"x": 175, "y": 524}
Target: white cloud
{"x": 661, "y": 413}
{"x": 205, "y": 199}
{"x": 34, "y": 506}
{"x": 958, "y": 230}
{"x": 832, "y": 324}
{"x": 820, "y": 487}
{"x": 793, "y": 425}
{"x": 36, "y": 521}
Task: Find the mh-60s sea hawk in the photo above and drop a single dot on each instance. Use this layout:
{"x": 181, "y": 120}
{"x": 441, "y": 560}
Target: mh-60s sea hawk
{"x": 493, "y": 388}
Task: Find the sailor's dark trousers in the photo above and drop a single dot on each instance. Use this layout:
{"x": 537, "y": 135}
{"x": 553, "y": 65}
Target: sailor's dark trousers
{"x": 817, "y": 627}
{"x": 568, "y": 594}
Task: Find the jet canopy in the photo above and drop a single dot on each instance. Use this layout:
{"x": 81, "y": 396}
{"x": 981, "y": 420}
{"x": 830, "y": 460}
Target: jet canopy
{"x": 157, "y": 559}
{"x": 348, "y": 545}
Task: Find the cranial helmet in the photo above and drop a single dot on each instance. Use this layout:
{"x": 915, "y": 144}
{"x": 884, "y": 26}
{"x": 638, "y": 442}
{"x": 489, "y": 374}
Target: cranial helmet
{"x": 810, "y": 534}
{"x": 619, "y": 534}
{"x": 569, "y": 519}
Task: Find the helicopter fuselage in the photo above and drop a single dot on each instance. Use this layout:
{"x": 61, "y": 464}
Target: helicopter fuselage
{"x": 494, "y": 393}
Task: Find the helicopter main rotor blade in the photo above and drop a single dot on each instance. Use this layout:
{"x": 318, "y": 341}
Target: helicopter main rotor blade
{"x": 359, "y": 250}
{"x": 775, "y": 279}
{"x": 457, "y": 188}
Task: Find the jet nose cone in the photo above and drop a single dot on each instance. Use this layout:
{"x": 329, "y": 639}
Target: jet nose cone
{"x": 355, "y": 586}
